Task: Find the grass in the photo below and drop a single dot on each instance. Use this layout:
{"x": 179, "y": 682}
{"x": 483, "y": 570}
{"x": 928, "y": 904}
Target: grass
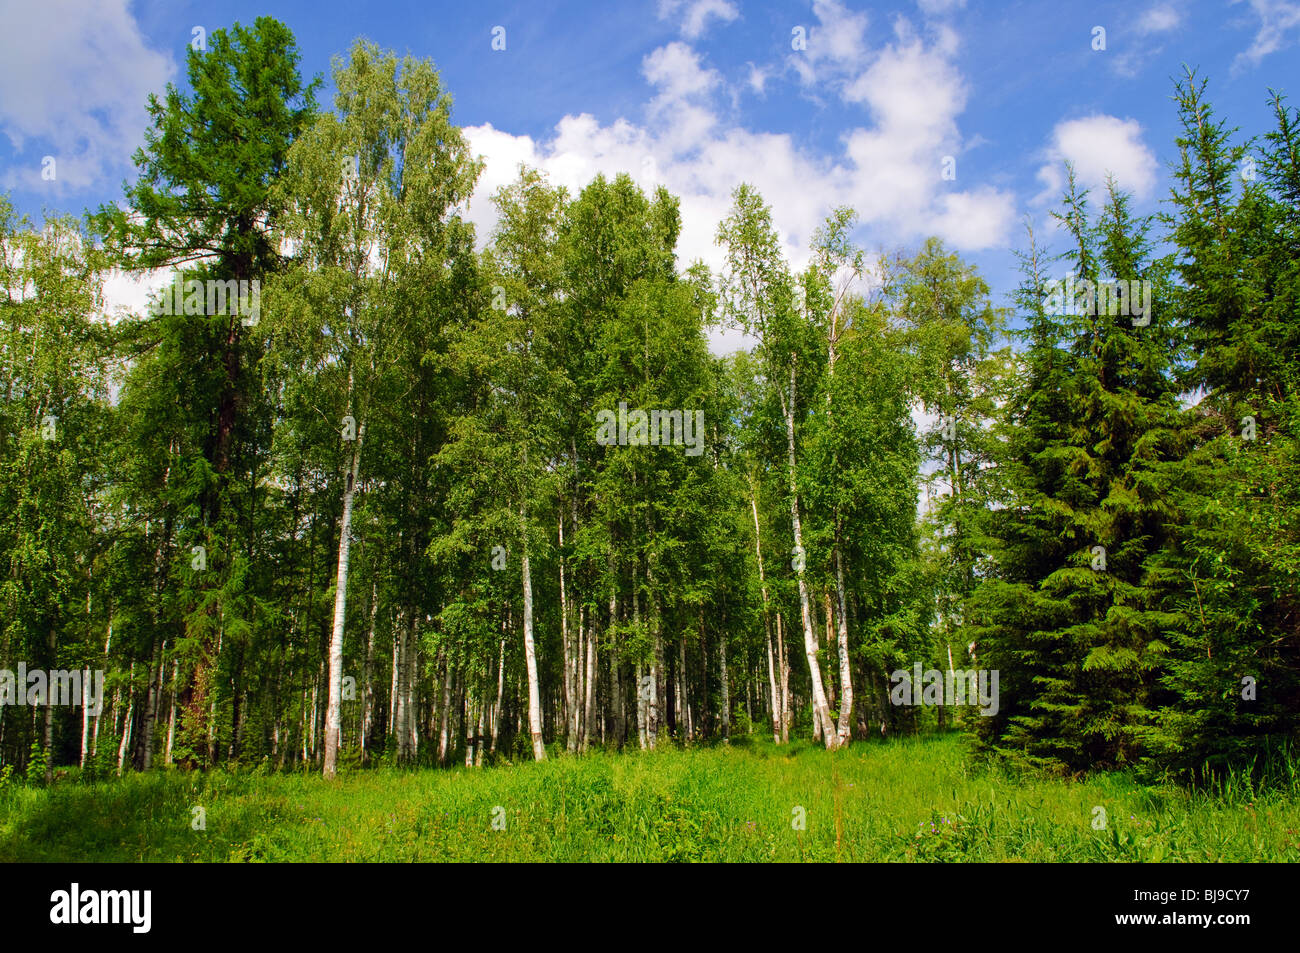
{"x": 908, "y": 800}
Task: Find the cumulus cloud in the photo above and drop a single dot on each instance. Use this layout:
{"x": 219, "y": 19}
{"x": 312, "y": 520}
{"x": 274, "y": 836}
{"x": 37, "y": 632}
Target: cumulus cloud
{"x": 74, "y": 78}
{"x": 908, "y": 96}
{"x": 1097, "y": 146}
{"x": 676, "y": 70}
{"x": 836, "y": 46}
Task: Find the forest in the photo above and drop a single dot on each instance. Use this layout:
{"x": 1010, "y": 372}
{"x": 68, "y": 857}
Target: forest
{"x": 363, "y": 489}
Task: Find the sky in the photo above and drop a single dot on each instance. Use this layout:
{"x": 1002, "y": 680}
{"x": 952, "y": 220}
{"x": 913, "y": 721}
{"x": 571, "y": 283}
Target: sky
{"x": 951, "y": 118}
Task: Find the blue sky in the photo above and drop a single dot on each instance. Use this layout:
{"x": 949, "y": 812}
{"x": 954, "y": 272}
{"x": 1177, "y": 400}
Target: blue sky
{"x": 700, "y": 95}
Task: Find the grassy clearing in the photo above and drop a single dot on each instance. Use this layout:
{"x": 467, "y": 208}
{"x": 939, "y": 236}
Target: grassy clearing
{"x": 909, "y": 800}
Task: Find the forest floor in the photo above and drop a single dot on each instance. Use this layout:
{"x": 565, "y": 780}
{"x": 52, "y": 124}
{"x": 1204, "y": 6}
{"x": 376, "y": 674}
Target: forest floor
{"x": 906, "y": 800}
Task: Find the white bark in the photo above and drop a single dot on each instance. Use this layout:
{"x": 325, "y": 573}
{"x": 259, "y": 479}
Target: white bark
{"x": 367, "y": 686}
{"x": 846, "y": 673}
{"x": 726, "y": 692}
{"x": 530, "y": 654}
{"x": 821, "y": 713}
{"x": 501, "y": 671}
{"x": 570, "y": 662}
{"x": 590, "y": 714}
{"x": 444, "y": 733}
{"x": 126, "y": 724}
{"x": 85, "y": 719}
{"x": 334, "y": 708}
{"x": 767, "y": 622}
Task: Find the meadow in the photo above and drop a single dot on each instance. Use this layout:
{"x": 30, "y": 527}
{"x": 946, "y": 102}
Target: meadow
{"x": 916, "y": 799}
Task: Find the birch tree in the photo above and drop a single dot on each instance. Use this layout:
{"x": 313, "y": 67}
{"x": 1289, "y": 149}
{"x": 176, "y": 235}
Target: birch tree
{"x": 759, "y": 299}
{"x": 373, "y": 191}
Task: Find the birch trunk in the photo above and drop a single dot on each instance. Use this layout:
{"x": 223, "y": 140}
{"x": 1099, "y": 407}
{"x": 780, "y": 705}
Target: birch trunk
{"x": 767, "y": 621}
{"x": 334, "y": 708}
{"x": 171, "y": 714}
{"x": 726, "y": 692}
{"x": 501, "y": 671}
{"x": 469, "y": 725}
{"x": 126, "y": 723}
{"x": 530, "y": 653}
{"x": 846, "y": 673}
{"x": 831, "y": 644}
{"x": 48, "y": 734}
{"x": 684, "y": 710}
{"x": 144, "y": 745}
{"x": 821, "y": 714}
{"x": 485, "y": 702}
{"x": 411, "y": 702}
{"x": 367, "y": 686}
{"x": 589, "y": 715}
{"x": 643, "y": 690}
{"x": 392, "y": 688}
{"x": 85, "y": 719}
{"x": 658, "y": 694}
{"x": 616, "y": 691}
{"x": 783, "y": 662}
{"x": 570, "y": 690}
{"x": 444, "y": 733}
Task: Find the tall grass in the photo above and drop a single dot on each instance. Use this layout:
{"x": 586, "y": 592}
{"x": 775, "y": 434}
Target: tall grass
{"x": 908, "y": 800}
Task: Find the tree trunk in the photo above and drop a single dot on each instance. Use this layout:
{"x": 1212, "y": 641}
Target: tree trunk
{"x": 616, "y": 690}
{"x": 821, "y": 714}
{"x": 411, "y": 699}
{"x": 367, "y": 681}
{"x": 126, "y": 724}
{"x": 846, "y": 673}
{"x": 684, "y": 720}
{"x": 589, "y": 715}
{"x": 767, "y": 622}
{"x": 501, "y": 671}
{"x": 726, "y": 690}
{"x": 171, "y": 714}
{"x": 444, "y": 732}
{"x": 530, "y": 653}
{"x": 334, "y": 709}
{"x": 783, "y": 663}
{"x": 392, "y": 688}
{"x": 658, "y": 694}
{"x": 570, "y": 664}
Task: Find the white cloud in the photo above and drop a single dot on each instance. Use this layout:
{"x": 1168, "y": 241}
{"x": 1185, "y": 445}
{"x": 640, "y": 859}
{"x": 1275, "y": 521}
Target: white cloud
{"x": 836, "y": 47}
{"x": 1098, "y": 145}
{"x": 888, "y": 169}
{"x": 1277, "y": 18}
{"x": 1159, "y": 19}
{"x": 977, "y": 219}
{"x": 676, "y": 70}
{"x": 74, "y": 76}
{"x": 698, "y": 13}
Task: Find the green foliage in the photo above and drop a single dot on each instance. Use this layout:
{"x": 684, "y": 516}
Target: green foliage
{"x": 402, "y": 476}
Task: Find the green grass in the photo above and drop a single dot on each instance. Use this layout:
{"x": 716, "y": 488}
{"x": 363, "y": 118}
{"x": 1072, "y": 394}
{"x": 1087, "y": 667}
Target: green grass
{"x": 909, "y": 800}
